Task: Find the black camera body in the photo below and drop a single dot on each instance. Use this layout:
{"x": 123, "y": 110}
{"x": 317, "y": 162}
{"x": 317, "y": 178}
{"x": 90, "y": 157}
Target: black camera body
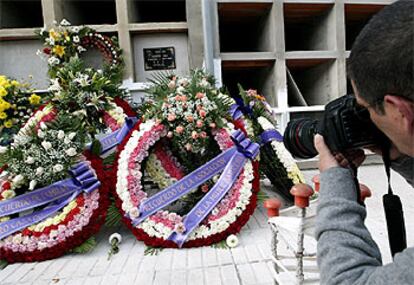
{"x": 345, "y": 125}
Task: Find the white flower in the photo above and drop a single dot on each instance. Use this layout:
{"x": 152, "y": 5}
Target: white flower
{"x": 134, "y": 213}
{"x": 204, "y": 83}
{"x": 115, "y": 237}
{"x": 3, "y": 149}
{"x": 32, "y": 184}
{"x": 83, "y": 80}
{"x": 57, "y": 168}
{"x": 67, "y": 141}
{"x": 171, "y": 84}
{"x": 61, "y": 134}
{"x": 46, "y": 145}
{"x": 18, "y": 178}
{"x": 39, "y": 171}
{"x": 64, "y": 22}
{"x": 75, "y": 39}
{"x": 232, "y": 241}
{"x": 180, "y": 228}
{"x": 180, "y": 90}
{"x": 53, "y": 60}
{"x": 75, "y": 29}
{"x": 55, "y": 86}
{"x": 41, "y": 134}
{"x": 30, "y": 160}
{"x": 71, "y": 135}
{"x": 71, "y": 151}
{"x": 43, "y": 126}
{"x": 81, "y": 49}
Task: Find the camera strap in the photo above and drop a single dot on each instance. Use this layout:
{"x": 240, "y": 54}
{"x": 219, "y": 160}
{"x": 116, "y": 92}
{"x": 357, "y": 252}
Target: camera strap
{"x": 393, "y": 211}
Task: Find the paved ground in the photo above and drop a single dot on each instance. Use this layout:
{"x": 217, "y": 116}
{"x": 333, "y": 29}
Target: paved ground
{"x": 249, "y": 263}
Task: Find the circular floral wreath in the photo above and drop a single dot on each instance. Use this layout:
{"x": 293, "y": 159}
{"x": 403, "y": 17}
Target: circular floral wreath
{"x": 76, "y": 222}
{"x": 228, "y": 217}
{"x": 66, "y": 41}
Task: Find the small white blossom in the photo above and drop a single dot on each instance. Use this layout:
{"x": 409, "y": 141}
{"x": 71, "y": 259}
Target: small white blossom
{"x": 57, "y": 168}
{"x": 30, "y": 160}
{"x": 75, "y": 39}
{"x": 75, "y": 29}
{"x": 3, "y": 149}
{"x": 39, "y": 171}
{"x": 53, "y": 61}
{"x": 43, "y": 126}
{"x": 41, "y": 134}
{"x": 61, "y": 134}
{"x": 18, "y": 178}
{"x": 71, "y": 135}
{"x": 115, "y": 237}
{"x": 64, "y": 22}
{"x": 232, "y": 241}
{"x": 46, "y": 145}
{"x": 71, "y": 151}
{"x": 32, "y": 184}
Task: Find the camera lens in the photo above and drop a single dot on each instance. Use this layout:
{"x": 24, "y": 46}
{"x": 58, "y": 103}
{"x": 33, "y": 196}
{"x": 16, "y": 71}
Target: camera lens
{"x": 298, "y": 138}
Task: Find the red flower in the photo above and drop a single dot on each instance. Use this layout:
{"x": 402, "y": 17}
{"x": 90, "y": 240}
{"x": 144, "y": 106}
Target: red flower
{"x": 47, "y": 50}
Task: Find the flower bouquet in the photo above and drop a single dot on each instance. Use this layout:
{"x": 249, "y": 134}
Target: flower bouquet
{"x": 17, "y": 104}
{"x": 53, "y": 188}
{"x": 186, "y": 175}
{"x": 276, "y": 163}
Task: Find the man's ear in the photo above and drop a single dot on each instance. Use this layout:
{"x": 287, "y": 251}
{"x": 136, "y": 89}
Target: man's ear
{"x": 405, "y": 109}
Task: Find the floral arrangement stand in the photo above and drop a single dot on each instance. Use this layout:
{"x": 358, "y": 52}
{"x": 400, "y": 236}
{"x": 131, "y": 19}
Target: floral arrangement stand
{"x": 276, "y": 163}
{"x": 185, "y": 139}
{"x": 53, "y": 184}
{"x": 293, "y": 244}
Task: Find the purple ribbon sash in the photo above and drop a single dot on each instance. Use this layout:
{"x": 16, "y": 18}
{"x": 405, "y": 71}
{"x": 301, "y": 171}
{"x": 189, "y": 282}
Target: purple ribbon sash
{"x": 182, "y": 187}
{"x": 113, "y": 139}
{"x": 235, "y": 111}
{"x": 270, "y": 135}
{"x": 56, "y": 195}
{"x": 232, "y": 161}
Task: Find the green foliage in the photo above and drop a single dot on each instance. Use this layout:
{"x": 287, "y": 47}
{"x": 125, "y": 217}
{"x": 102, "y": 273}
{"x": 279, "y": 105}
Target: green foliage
{"x": 96, "y": 147}
{"x": 262, "y": 196}
{"x": 221, "y": 245}
{"x": 3, "y": 264}
{"x": 149, "y": 250}
{"x": 87, "y": 246}
{"x": 113, "y": 217}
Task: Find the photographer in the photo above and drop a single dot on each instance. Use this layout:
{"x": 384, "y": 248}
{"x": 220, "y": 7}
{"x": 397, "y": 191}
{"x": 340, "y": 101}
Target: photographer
{"x": 381, "y": 71}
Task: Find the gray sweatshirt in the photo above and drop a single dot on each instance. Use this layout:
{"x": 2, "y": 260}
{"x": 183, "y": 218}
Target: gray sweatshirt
{"x": 347, "y": 254}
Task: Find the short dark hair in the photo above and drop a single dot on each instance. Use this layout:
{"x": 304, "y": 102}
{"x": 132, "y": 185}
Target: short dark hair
{"x": 381, "y": 60}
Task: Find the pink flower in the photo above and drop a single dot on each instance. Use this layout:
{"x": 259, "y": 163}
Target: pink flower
{"x": 171, "y": 117}
{"x": 203, "y": 135}
{"x": 205, "y": 188}
{"x": 199, "y": 124}
{"x": 194, "y": 135}
{"x": 190, "y": 118}
{"x": 184, "y": 98}
{"x": 199, "y": 95}
{"x": 199, "y": 107}
{"x": 212, "y": 125}
{"x": 188, "y": 147}
{"x": 177, "y": 98}
{"x": 179, "y": 228}
{"x": 170, "y": 134}
{"x": 179, "y": 129}
{"x": 202, "y": 113}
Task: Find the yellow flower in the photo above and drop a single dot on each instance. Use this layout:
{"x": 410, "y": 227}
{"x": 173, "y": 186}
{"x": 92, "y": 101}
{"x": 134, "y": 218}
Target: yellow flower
{"x": 3, "y": 91}
{"x": 4, "y": 105}
{"x": 15, "y": 83}
{"x": 8, "y": 194}
{"x": 3, "y": 115}
{"x": 34, "y": 99}
{"x": 8, "y": 124}
{"x": 54, "y": 35}
{"x": 59, "y": 50}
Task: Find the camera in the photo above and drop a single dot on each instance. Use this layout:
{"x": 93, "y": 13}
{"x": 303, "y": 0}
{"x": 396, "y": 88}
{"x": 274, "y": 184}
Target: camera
{"x": 345, "y": 126}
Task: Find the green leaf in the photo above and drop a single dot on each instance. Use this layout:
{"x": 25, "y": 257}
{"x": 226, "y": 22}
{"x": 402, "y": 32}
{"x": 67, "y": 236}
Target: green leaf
{"x": 86, "y": 246}
{"x": 149, "y": 250}
{"x": 96, "y": 147}
{"x": 261, "y": 196}
{"x": 110, "y": 159}
{"x": 221, "y": 245}
{"x": 113, "y": 217}
{"x": 3, "y": 264}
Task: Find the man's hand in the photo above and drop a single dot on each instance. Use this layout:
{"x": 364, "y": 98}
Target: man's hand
{"x": 328, "y": 160}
